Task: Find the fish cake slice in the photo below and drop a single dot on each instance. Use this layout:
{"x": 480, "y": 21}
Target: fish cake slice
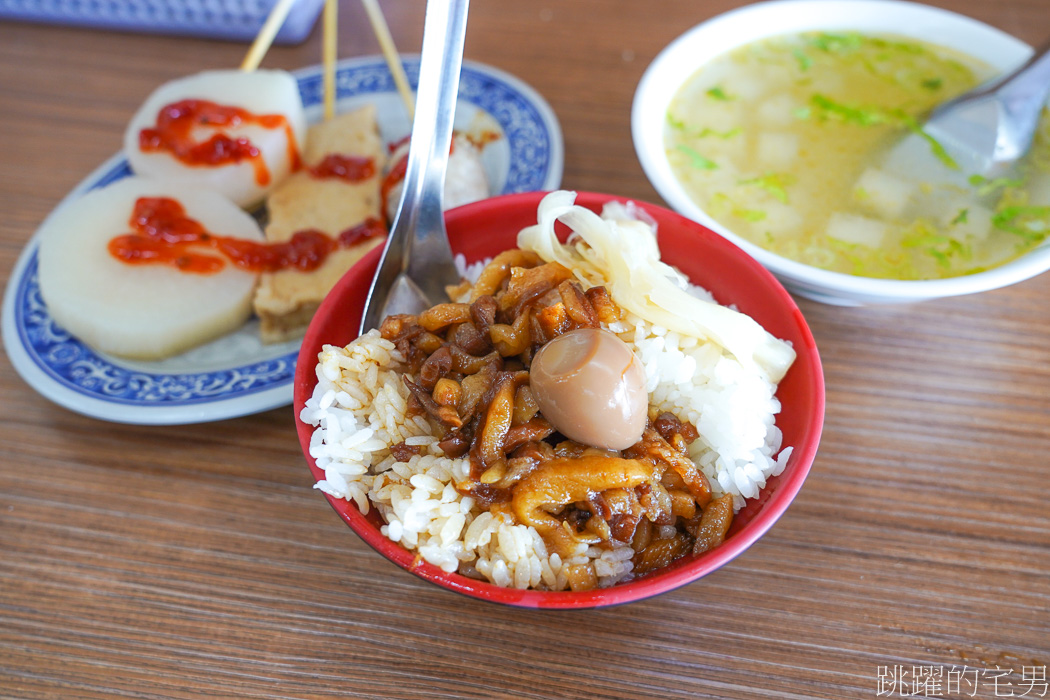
{"x": 285, "y": 301}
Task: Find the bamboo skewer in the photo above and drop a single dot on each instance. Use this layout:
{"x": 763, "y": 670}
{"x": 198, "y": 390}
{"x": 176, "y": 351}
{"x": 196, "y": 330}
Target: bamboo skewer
{"x": 279, "y": 13}
{"x": 328, "y": 55}
{"x": 266, "y": 35}
{"x": 386, "y": 44}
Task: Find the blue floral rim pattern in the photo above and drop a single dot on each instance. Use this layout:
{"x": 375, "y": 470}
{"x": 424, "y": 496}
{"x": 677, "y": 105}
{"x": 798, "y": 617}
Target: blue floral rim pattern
{"x": 531, "y": 149}
{"x": 74, "y": 365}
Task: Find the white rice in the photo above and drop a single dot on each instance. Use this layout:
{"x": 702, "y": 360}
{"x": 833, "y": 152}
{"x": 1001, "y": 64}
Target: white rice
{"x": 732, "y": 409}
{"x": 358, "y": 408}
{"x": 469, "y": 271}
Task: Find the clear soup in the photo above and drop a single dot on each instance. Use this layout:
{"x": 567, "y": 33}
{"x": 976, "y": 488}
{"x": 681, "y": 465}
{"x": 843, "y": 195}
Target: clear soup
{"x": 787, "y": 143}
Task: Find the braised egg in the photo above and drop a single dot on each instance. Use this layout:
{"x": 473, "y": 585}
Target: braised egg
{"x": 591, "y": 387}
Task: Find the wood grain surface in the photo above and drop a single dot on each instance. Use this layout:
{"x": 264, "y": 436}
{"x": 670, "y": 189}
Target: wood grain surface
{"x": 197, "y": 561}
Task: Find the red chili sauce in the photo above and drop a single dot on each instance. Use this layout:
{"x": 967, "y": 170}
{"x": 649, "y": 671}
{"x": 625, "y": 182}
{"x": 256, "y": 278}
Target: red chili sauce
{"x": 394, "y": 177}
{"x": 161, "y": 233}
{"x": 349, "y": 168}
{"x": 177, "y": 122}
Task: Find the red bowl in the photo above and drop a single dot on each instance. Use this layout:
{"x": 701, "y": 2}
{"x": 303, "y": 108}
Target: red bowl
{"x": 486, "y": 228}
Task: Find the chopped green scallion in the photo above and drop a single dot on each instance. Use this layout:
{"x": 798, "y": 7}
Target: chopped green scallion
{"x": 718, "y": 93}
{"x": 696, "y": 160}
{"x": 773, "y": 183}
{"x": 1032, "y": 223}
{"x": 674, "y": 123}
{"x": 986, "y": 187}
{"x": 804, "y": 61}
{"x": 836, "y": 43}
{"x": 751, "y": 215}
{"x": 830, "y": 109}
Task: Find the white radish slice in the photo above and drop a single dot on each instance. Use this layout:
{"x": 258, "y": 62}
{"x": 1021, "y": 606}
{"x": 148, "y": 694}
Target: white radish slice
{"x": 260, "y": 92}
{"x": 140, "y": 311}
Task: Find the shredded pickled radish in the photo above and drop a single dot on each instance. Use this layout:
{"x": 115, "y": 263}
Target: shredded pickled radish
{"x": 621, "y": 253}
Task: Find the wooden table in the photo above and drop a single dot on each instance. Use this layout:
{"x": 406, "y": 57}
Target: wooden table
{"x": 197, "y": 561}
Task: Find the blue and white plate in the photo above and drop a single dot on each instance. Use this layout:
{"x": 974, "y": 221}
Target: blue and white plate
{"x": 238, "y": 375}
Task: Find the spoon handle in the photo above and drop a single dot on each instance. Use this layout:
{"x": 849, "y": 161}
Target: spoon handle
{"x": 1001, "y": 115}
{"x": 1022, "y": 96}
{"x": 440, "y": 64}
{"x": 1032, "y": 78}
{"x": 417, "y": 263}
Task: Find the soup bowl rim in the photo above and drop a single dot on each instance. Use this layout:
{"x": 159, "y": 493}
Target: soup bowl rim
{"x": 709, "y": 39}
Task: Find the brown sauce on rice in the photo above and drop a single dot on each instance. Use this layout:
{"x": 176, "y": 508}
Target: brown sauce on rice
{"x": 467, "y": 370}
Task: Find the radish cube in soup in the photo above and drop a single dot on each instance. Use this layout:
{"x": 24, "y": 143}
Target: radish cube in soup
{"x": 968, "y": 220}
{"x": 776, "y": 150}
{"x": 778, "y": 110}
{"x": 882, "y": 194}
{"x": 859, "y": 230}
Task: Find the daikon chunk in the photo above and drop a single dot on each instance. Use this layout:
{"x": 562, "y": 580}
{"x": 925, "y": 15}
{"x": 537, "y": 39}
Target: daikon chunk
{"x": 968, "y": 220}
{"x": 777, "y": 110}
{"x": 268, "y": 94}
{"x": 859, "y": 230}
{"x": 882, "y": 194}
{"x": 776, "y": 150}
{"x": 140, "y": 311}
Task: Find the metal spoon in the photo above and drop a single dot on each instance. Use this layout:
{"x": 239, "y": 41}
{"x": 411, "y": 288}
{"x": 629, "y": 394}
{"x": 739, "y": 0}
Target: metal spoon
{"x": 417, "y": 264}
{"x": 985, "y": 131}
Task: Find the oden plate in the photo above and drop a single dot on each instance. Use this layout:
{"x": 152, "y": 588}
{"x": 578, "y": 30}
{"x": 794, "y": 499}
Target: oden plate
{"x": 238, "y": 375}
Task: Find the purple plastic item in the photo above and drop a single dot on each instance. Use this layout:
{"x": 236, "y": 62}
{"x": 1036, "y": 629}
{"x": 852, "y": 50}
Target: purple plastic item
{"x": 235, "y": 20}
